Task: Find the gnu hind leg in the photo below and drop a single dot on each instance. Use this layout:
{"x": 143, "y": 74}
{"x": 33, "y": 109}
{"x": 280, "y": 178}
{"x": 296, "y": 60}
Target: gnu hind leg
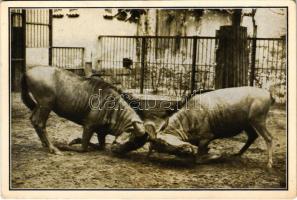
{"x": 38, "y": 120}
{"x": 252, "y": 136}
{"x": 261, "y": 129}
{"x": 34, "y": 122}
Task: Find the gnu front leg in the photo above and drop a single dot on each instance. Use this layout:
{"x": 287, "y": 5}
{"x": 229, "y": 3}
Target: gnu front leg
{"x": 100, "y": 146}
{"x": 166, "y": 143}
{"x": 85, "y": 141}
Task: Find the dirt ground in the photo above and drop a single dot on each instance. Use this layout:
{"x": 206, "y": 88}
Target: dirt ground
{"x": 33, "y": 167}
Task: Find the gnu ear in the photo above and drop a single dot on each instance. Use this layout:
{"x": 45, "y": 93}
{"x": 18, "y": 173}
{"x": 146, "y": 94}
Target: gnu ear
{"x": 164, "y": 125}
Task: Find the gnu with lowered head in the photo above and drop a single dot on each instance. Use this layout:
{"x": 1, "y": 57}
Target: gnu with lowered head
{"x": 68, "y": 95}
{"x": 218, "y": 114}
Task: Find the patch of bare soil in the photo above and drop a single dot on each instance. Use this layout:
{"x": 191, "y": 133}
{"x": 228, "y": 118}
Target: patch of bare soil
{"x": 33, "y": 167}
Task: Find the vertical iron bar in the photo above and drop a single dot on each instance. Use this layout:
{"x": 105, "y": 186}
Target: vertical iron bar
{"x": 193, "y": 64}
{"x": 199, "y": 58}
{"x": 59, "y": 56}
{"x": 114, "y": 46}
{"x": 63, "y": 54}
{"x": 209, "y": 64}
{"x": 38, "y": 28}
{"x": 263, "y": 55}
{"x": 34, "y": 28}
{"x": 54, "y": 51}
{"x": 272, "y": 57}
{"x": 253, "y": 61}
{"x": 171, "y": 81}
{"x": 31, "y": 29}
{"x": 130, "y": 56}
{"x": 148, "y": 60}
{"x": 63, "y": 57}
{"x": 73, "y": 63}
{"x": 50, "y": 37}
{"x": 277, "y": 59}
{"x": 43, "y": 27}
{"x": 143, "y": 46}
{"x": 134, "y": 53}
{"x": 83, "y": 57}
{"x": 267, "y": 56}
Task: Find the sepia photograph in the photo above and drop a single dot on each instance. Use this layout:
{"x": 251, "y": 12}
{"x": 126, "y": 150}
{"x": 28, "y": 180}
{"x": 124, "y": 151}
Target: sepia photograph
{"x": 148, "y": 98}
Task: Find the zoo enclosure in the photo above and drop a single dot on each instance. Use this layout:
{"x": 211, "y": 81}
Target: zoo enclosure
{"x": 170, "y": 65}
{"x": 165, "y": 65}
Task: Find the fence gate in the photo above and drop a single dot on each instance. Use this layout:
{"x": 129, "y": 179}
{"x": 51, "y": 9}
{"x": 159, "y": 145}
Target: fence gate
{"x": 18, "y": 53}
{"x": 31, "y": 29}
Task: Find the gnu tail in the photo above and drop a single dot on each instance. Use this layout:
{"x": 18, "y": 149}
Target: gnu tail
{"x": 27, "y": 100}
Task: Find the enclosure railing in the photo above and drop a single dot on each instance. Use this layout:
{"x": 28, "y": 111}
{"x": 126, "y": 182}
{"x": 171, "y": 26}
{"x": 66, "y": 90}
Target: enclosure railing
{"x": 158, "y": 64}
{"x": 38, "y": 28}
{"x": 173, "y": 65}
{"x": 268, "y": 65}
{"x": 68, "y": 57}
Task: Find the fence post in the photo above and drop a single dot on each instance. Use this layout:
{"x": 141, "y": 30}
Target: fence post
{"x": 143, "y": 57}
{"x": 193, "y": 64}
{"x": 253, "y": 61}
{"x": 50, "y": 34}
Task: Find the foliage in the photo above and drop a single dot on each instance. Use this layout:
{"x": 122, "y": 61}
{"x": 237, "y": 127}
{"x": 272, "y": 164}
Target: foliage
{"x": 133, "y": 15}
{"x": 165, "y": 77}
{"x": 130, "y": 15}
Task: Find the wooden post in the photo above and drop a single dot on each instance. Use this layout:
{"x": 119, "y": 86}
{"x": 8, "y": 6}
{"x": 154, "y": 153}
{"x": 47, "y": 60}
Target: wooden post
{"x": 193, "y": 81}
{"x": 232, "y": 57}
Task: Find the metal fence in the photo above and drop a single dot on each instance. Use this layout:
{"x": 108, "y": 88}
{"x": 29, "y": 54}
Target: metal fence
{"x": 268, "y": 65}
{"x": 158, "y": 65}
{"x": 68, "y": 57}
{"x": 176, "y": 65}
{"x": 38, "y": 28}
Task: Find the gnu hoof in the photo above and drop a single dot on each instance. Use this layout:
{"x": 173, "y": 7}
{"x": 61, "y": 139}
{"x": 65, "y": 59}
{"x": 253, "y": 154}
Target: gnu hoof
{"x": 208, "y": 158}
{"x": 269, "y": 165}
{"x": 55, "y": 151}
{"x": 44, "y": 144}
